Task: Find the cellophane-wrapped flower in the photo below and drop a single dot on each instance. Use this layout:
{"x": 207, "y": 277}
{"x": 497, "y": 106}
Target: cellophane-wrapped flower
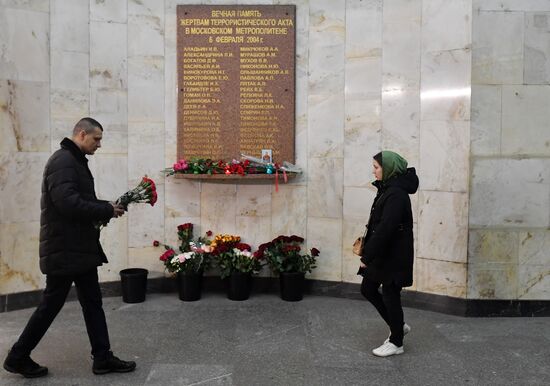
{"x": 145, "y": 192}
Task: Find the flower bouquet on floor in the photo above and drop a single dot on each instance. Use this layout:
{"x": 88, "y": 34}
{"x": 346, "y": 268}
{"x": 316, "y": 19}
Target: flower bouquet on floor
{"x": 145, "y": 192}
{"x": 236, "y": 263}
{"x": 284, "y": 257}
{"x": 188, "y": 261}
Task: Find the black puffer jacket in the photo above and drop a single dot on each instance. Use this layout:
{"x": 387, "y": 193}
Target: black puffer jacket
{"x": 389, "y": 245}
{"x": 69, "y": 242}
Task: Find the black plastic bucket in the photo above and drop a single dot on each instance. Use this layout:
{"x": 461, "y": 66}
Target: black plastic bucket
{"x": 189, "y": 286}
{"x": 134, "y": 284}
{"x": 239, "y": 285}
{"x": 292, "y": 286}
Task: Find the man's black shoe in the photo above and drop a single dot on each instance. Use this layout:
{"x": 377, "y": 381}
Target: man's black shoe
{"x": 112, "y": 364}
{"x": 25, "y": 366}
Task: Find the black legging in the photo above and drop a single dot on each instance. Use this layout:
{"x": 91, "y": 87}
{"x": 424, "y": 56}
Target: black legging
{"x": 388, "y": 305}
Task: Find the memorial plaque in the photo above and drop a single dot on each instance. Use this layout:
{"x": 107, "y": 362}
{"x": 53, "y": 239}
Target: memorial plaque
{"x": 236, "y": 81}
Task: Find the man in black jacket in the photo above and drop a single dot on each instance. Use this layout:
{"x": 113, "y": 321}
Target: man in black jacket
{"x": 70, "y": 251}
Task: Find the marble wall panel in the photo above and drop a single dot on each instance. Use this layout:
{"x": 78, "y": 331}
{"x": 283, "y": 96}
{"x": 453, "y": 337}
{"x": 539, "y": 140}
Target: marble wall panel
{"x": 254, "y": 230}
{"x": 357, "y": 203}
{"x": 20, "y": 184}
{"x": 70, "y": 70}
{"x": 146, "y": 223}
{"x": 145, "y": 152}
{"x": 145, "y": 28}
{"x": 325, "y": 234}
{"x": 326, "y": 46}
{"x": 496, "y": 281}
{"x": 497, "y": 58}
{"x": 24, "y": 116}
{"x": 30, "y": 5}
{"x": 219, "y": 208}
{"x": 146, "y": 94}
{"x": 108, "y": 55}
{"x": 22, "y": 32}
{"x": 534, "y": 282}
{"x": 69, "y": 104}
{"x": 399, "y": 11}
{"x": 69, "y": 26}
{"x": 445, "y": 90}
{"x": 441, "y": 277}
{"x": 401, "y": 46}
{"x": 489, "y": 246}
{"x": 534, "y": 247}
{"x": 401, "y": 123}
{"x": 525, "y": 117}
{"x": 110, "y": 108}
{"x": 111, "y": 11}
{"x": 443, "y": 226}
{"x": 182, "y": 198}
{"x": 441, "y": 16}
{"x": 254, "y": 200}
{"x": 19, "y": 259}
{"x": 511, "y": 5}
{"x": 510, "y": 193}
{"x": 536, "y": 61}
{"x": 444, "y": 155}
{"x": 325, "y": 187}
{"x": 326, "y": 125}
{"x": 146, "y": 257}
{"x": 289, "y": 211}
{"x": 111, "y": 175}
{"x": 485, "y": 128}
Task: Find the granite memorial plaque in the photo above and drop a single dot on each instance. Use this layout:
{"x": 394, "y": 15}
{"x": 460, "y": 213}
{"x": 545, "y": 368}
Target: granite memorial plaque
{"x": 236, "y": 81}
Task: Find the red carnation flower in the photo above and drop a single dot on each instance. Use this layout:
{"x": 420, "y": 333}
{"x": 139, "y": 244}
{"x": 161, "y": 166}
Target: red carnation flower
{"x": 209, "y": 233}
{"x": 315, "y": 252}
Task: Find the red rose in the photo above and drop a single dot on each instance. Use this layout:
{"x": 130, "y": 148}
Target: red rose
{"x": 209, "y": 233}
{"x": 297, "y": 239}
{"x": 315, "y": 252}
{"x": 156, "y": 243}
{"x": 243, "y": 247}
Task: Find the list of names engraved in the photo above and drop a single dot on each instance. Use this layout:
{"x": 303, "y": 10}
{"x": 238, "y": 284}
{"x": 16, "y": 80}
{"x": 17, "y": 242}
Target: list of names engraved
{"x": 236, "y": 81}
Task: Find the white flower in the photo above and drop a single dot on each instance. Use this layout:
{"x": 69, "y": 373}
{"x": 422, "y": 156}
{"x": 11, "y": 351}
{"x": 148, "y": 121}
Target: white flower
{"x": 247, "y": 254}
{"x": 174, "y": 260}
{"x": 188, "y": 255}
{"x": 207, "y": 248}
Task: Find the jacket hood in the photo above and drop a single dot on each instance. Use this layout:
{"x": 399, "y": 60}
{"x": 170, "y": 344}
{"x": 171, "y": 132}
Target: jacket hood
{"x": 407, "y": 181}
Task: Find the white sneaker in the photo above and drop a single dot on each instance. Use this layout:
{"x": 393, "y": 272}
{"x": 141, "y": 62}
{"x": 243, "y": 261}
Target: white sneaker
{"x": 388, "y": 349}
{"x": 406, "y": 330}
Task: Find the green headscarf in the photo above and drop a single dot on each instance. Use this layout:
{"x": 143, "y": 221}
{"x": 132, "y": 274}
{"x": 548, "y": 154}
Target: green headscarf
{"x": 392, "y": 165}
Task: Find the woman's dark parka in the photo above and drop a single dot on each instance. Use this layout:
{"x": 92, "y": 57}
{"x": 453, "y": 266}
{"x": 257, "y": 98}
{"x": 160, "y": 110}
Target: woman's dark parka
{"x": 389, "y": 246}
{"x": 69, "y": 242}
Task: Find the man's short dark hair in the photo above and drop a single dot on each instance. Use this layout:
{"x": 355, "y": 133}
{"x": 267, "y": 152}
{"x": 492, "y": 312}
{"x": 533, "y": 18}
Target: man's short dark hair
{"x": 87, "y": 124}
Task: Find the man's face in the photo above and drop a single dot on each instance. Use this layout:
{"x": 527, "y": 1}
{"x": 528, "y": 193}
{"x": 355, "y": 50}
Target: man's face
{"x": 89, "y": 143}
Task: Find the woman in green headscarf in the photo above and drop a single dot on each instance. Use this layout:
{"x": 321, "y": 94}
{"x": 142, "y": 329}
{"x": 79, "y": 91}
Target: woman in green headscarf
{"x": 388, "y": 251}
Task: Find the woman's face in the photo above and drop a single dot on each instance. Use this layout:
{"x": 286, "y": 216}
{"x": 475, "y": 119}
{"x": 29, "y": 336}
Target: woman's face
{"x": 376, "y": 170}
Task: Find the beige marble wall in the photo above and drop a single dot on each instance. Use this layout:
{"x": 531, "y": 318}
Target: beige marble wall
{"x": 510, "y": 151}
{"x": 370, "y": 74}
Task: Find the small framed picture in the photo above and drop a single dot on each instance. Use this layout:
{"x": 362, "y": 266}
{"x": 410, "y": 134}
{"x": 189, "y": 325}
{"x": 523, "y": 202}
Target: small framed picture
{"x": 267, "y": 155}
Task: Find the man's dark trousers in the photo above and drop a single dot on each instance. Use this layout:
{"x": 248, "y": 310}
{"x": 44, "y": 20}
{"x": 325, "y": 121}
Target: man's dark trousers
{"x": 55, "y": 294}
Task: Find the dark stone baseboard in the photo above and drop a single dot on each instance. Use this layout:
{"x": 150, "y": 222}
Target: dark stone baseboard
{"x": 413, "y": 299}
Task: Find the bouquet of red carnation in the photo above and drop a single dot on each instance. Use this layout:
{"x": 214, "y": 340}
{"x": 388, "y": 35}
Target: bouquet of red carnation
{"x": 284, "y": 254}
{"x": 145, "y": 192}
